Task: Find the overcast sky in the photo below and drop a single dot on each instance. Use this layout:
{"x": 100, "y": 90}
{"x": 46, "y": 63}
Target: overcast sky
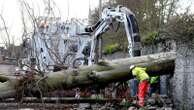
{"x": 10, "y": 9}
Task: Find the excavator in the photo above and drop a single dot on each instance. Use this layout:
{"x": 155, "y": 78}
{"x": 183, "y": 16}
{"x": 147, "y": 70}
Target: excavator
{"x": 119, "y": 14}
{"x": 86, "y": 53}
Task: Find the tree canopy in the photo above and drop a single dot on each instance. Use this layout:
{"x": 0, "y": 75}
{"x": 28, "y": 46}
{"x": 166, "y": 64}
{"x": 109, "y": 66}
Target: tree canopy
{"x": 152, "y": 16}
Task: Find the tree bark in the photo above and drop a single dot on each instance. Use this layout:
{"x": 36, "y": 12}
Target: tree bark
{"x": 102, "y": 73}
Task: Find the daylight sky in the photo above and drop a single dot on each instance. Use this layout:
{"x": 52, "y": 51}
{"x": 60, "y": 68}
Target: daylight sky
{"x": 10, "y": 9}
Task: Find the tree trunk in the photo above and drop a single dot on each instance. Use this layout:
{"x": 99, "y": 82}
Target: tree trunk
{"x": 102, "y": 73}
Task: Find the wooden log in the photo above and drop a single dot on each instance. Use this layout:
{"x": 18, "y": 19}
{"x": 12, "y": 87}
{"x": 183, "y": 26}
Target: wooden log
{"x": 102, "y": 73}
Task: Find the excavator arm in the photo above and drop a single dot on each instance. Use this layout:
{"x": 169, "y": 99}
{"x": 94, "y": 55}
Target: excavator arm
{"x": 122, "y": 15}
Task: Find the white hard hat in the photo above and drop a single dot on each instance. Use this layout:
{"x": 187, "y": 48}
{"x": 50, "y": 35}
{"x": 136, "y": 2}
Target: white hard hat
{"x": 17, "y": 68}
{"x": 132, "y": 66}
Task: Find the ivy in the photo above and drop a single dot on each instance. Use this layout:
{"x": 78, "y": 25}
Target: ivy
{"x": 150, "y": 38}
{"x": 111, "y": 48}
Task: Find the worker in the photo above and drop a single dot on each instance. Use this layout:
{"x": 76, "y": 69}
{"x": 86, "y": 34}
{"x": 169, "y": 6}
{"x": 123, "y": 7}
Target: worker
{"x": 154, "y": 85}
{"x": 143, "y": 78}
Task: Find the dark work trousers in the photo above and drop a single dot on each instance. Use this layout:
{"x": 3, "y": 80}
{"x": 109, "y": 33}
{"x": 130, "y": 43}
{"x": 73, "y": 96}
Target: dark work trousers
{"x": 154, "y": 88}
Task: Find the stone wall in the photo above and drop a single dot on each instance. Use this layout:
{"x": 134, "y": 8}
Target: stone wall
{"x": 7, "y": 68}
{"x": 116, "y": 55}
{"x": 163, "y": 46}
{"x": 183, "y": 79}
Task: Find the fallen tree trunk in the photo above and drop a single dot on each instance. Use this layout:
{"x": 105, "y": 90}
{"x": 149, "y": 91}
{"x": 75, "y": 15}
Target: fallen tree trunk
{"x": 102, "y": 73}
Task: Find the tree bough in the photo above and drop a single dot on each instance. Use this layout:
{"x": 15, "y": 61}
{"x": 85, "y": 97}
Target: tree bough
{"x": 101, "y": 73}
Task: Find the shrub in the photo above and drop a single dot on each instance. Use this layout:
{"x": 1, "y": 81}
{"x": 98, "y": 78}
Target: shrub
{"x": 180, "y": 27}
{"x": 150, "y": 38}
{"x": 111, "y": 48}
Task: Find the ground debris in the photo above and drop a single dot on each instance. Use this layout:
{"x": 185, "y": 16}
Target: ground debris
{"x": 156, "y": 102}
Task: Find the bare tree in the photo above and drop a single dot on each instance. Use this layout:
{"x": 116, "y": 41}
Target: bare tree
{"x": 8, "y": 40}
